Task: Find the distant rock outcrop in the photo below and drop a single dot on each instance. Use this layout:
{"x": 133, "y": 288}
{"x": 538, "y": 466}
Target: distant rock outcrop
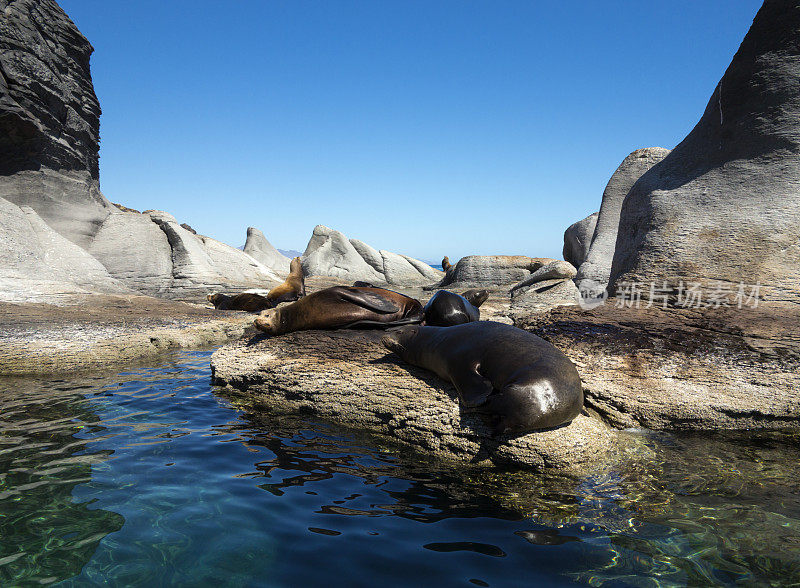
{"x": 595, "y": 269}
{"x": 38, "y": 264}
{"x": 330, "y": 253}
{"x": 49, "y": 134}
{"x": 724, "y": 206}
{"x": 491, "y": 270}
{"x": 262, "y": 251}
{"x": 577, "y": 239}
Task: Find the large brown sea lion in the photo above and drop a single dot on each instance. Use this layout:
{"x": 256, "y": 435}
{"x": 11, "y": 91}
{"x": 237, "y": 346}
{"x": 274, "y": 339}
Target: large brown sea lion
{"x": 247, "y": 301}
{"x": 293, "y": 288}
{"x": 342, "y": 307}
{"x": 498, "y": 369}
{"x": 446, "y": 265}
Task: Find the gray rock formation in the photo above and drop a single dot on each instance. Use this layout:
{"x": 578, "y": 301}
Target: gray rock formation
{"x": 541, "y": 296}
{"x": 348, "y": 377}
{"x": 330, "y": 253}
{"x": 153, "y": 254}
{"x": 724, "y": 205}
{"x": 49, "y": 133}
{"x": 49, "y": 119}
{"x": 39, "y": 264}
{"x": 595, "y": 270}
{"x": 555, "y": 270}
{"x": 262, "y": 251}
{"x": 577, "y": 239}
{"x": 491, "y": 270}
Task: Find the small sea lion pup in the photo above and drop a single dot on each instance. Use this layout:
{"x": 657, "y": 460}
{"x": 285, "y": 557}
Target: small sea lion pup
{"x": 293, "y": 288}
{"x": 247, "y": 301}
{"x": 476, "y": 296}
{"x": 446, "y": 265}
{"x": 521, "y": 379}
{"x": 342, "y": 307}
{"x": 447, "y": 309}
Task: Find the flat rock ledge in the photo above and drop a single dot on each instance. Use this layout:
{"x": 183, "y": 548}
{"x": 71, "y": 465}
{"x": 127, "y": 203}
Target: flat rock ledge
{"x": 348, "y": 377}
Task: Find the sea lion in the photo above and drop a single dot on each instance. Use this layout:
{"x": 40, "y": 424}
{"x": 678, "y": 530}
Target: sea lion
{"x": 446, "y": 265}
{"x": 361, "y": 284}
{"x": 342, "y": 307}
{"x": 447, "y": 309}
{"x": 498, "y": 369}
{"x": 476, "y": 296}
{"x": 293, "y": 288}
{"x": 247, "y": 301}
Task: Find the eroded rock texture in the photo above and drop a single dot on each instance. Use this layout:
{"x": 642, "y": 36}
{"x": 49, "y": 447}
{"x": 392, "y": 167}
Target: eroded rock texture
{"x": 349, "y": 377}
{"x": 259, "y": 248}
{"x": 724, "y": 205}
{"x": 725, "y": 368}
{"x": 491, "y": 270}
{"x": 330, "y": 253}
{"x": 577, "y": 239}
{"x": 594, "y": 270}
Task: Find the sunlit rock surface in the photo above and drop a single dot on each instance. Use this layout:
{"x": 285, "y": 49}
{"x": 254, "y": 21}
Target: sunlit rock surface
{"x": 349, "y": 377}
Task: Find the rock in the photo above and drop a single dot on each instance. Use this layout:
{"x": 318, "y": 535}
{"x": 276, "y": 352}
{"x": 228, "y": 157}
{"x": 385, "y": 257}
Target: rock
{"x": 37, "y": 263}
{"x": 555, "y": 270}
{"x": 126, "y": 209}
{"x": 577, "y": 239}
{"x": 153, "y": 254}
{"x": 49, "y": 119}
{"x": 724, "y": 205}
{"x": 543, "y": 295}
{"x": 491, "y": 270}
{"x": 348, "y": 377}
{"x": 725, "y": 368}
{"x": 595, "y": 270}
{"x": 188, "y": 228}
{"x": 330, "y": 253}
{"x": 262, "y": 251}
{"x": 49, "y": 133}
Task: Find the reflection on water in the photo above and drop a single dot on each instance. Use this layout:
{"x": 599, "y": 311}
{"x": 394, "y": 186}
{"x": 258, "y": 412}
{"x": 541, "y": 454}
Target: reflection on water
{"x": 150, "y": 478}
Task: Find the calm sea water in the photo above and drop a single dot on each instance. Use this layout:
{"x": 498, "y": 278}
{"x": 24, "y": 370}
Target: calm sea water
{"x": 153, "y": 478}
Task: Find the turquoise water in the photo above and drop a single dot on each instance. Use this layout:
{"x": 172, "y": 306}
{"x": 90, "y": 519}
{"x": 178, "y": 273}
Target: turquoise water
{"x": 153, "y": 478}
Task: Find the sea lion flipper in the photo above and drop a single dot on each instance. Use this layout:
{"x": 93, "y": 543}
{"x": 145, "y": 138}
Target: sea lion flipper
{"x": 369, "y": 300}
{"x": 473, "y": 388}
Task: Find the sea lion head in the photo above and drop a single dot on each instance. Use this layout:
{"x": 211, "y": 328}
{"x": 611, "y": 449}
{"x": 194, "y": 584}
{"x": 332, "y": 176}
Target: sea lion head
{"x": 296, "y": 267}
{"x": 476, "y": 297}
{"x": 267, "y": 322}
{"x": 397, "y": 339}
{"x": 213, "y": 298}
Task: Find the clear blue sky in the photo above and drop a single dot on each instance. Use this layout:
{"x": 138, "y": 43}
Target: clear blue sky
{"x": 423, "y": 127}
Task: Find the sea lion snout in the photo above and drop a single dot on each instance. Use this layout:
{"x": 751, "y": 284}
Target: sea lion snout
{"x": 265, "y": 322}
{"x": 396, "y": 339}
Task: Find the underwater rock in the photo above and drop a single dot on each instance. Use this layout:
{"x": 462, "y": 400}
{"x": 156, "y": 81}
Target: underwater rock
{"x": 350, "y": 378}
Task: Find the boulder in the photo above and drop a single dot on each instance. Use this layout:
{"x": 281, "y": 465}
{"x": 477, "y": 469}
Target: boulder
{"x": 348, "y": 377}
{"x": 330, "y": 253}
{"x": 262, "y": 251}
{"x": 37, "y": 263}
{"x": 491, "y": 270}
{"x": 49, "y": 119}
{"x": 543, "y": 295}
{"x": 555, "y": 270}
{"x": 595, "y": 269}
{"x": 577, "y": 239}
{"x": 724, "y": 206}
{"x": 725, "y": 368}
